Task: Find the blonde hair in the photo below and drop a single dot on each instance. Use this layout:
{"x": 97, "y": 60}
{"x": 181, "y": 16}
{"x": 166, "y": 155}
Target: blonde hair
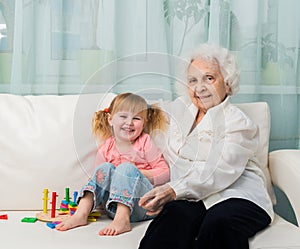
{"x": 153, "y": 116}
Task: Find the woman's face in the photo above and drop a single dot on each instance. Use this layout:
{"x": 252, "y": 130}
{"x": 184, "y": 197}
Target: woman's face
{"x": 206, "y": 85}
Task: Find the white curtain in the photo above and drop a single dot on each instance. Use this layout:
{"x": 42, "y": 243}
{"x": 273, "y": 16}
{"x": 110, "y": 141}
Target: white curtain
{"x": 75, "y": 46}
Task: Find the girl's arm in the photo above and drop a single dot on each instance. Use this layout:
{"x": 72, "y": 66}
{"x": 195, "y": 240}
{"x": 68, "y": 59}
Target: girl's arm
{"x": 159, "y": 172}
{"x": 148, "y": 174}
{"x": 99, "y": 158}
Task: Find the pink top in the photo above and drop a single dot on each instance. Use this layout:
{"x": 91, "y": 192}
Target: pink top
{"x": 144, "y": 154}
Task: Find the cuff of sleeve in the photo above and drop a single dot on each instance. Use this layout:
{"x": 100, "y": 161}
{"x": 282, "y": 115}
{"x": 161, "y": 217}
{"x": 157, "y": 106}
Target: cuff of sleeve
{"x": 179, "y": 189}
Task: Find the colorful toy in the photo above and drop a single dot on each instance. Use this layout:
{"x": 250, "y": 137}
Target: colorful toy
{"x": 3, "y": 217}
{"x": 75, "y": 194}
{"x": 67, "y": 198}
{"x": 52, "y": 225}
{"x": 53, "y": 206}
{"x": 67, "y": 207}
{"x": 29, "y": 219}
{"x": 45, "y": 200}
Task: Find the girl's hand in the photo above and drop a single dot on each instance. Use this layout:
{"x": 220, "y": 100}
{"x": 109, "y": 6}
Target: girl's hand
{"x": 155, "y": 199}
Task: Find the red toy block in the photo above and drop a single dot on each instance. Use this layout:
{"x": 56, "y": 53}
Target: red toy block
{"x": 3, "y": 217}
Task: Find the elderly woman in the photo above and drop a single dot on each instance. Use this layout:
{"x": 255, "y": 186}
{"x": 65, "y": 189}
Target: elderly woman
{"x": 217, "y": 197}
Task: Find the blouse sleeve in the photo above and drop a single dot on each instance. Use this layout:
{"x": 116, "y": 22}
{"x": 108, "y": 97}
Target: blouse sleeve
{"x": 233, "y": 145}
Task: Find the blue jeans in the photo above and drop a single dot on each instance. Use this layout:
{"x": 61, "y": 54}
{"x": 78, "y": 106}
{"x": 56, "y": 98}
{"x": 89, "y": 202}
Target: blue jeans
{"x": 123, "y": 184}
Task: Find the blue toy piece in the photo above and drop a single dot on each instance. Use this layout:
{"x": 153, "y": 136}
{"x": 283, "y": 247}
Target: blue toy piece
{"x": 51, "y": 225}
{"x": 75, "y": 196}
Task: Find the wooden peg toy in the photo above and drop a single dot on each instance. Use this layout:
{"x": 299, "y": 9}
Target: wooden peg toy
{"x": 75, "y": 194}
{"x": 53, "y": 204}
{"x": 53, "y": 216}
{"x": 45, "y": 200}
{"x": 67, "y": 197}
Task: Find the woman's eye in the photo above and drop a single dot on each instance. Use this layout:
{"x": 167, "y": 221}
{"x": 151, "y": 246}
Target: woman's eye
{"x": 192, "y": 81}
{"x": 209, "y": 79}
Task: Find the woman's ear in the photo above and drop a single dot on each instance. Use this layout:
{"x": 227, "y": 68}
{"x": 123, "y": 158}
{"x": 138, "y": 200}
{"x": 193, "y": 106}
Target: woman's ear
{"x": 228, "y": 88}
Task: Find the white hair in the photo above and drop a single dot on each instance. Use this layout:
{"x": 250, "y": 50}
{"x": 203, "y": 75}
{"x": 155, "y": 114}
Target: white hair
{"x": 226, "y": 61}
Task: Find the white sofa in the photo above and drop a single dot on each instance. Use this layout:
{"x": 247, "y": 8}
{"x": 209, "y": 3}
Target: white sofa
{"x": 46, "y": 142}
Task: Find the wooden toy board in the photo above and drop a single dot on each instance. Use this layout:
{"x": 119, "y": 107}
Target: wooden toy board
{"x": 47, "y": 217}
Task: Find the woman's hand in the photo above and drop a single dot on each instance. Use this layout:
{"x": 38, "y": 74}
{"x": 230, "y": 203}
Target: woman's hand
{"x": 155, "y": 199}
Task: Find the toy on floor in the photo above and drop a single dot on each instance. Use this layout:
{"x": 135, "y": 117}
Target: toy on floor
{"x": 53, "y": 224}
{"x": 67, "y": 207}
{"x": 29, "y": 219}
{"x": 3, "y": 217}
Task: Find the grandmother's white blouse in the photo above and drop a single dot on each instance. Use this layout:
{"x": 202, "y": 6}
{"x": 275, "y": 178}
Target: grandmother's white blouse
{"x": 216, "y": 161}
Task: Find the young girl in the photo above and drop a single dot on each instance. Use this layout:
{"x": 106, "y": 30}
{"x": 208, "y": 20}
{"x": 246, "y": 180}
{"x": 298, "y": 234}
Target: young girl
{"x": 128, "y": 164}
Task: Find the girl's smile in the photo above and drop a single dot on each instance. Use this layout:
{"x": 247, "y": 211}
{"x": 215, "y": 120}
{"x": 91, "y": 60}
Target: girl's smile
{"x": 126, "y": 126}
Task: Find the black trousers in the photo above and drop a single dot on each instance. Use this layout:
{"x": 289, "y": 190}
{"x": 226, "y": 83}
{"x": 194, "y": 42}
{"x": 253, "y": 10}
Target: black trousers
{"x": 186, "y": 225}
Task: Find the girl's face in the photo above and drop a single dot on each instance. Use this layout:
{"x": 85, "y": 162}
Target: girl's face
{"x": 127, "y": 126}
{"x": 206, "y": 84}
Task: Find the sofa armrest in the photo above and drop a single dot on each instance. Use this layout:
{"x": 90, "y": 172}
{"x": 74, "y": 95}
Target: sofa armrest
{"x": 284, "y": 168}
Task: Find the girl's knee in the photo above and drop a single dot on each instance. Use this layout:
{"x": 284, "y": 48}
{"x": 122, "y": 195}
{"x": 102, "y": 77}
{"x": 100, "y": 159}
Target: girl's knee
{"x": 127, "y": 169}
{"x": 105, "y": 167}
{"x": 102, "y": 172}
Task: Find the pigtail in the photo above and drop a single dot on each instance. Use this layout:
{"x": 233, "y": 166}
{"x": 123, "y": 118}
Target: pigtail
{"x": 156, "y": 119}
{"x": 100, "y": 125}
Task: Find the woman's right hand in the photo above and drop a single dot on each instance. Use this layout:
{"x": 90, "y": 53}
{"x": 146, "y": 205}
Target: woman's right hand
{"x": 155, "y": 199}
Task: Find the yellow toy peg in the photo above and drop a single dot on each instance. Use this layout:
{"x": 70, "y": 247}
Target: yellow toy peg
{"x": 45, "y": 200}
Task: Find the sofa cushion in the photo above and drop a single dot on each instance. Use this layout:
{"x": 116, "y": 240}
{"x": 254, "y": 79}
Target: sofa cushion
{"x": 281, "y": 235}
{"x": 38, "y": 235}
{"x": 259, "y": 113}
{"x": 45, "y": 142}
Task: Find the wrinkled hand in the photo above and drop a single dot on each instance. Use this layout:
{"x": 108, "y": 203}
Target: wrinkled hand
{"x": 155, "y": 199}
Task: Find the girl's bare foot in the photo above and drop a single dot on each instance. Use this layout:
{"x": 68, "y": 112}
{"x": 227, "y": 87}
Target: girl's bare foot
{"x": 72, "y": 222}
{"x": 120, "y": 224}
{"x": 81, "y": 214}
{"x": 116, "y": 227}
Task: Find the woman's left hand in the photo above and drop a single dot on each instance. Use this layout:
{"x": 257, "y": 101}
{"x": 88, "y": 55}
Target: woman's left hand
{"x": 155, "y": 199}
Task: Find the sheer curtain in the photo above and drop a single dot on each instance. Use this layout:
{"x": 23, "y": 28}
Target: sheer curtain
{"x": 75, "y": 46}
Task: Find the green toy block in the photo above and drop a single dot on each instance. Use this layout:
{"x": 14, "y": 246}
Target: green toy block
{"x": 29, "y": 219}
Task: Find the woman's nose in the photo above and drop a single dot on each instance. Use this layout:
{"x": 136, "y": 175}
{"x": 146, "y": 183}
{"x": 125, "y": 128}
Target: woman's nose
{"x": 200, "y": 86}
